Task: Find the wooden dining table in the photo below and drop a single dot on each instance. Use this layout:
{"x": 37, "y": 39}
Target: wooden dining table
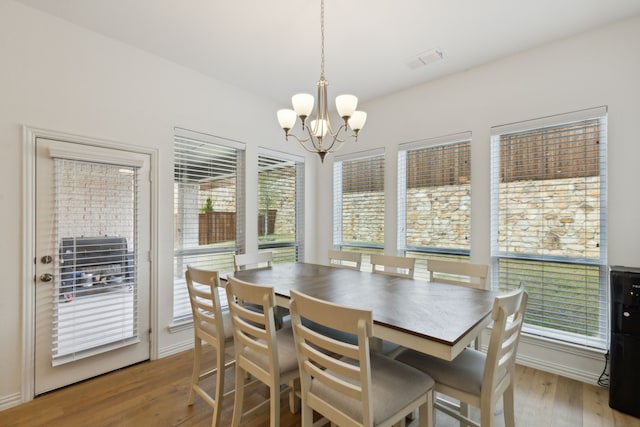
{"x": 434, "y": 318}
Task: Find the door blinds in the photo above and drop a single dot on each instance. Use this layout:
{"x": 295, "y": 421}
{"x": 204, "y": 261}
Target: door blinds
{"x": 281, "y": 206}
{"x": 434, "y": 199}
{"x": 549, "y": 222}
{"x": 96, "y": 298}
{"x": 358, "y": 189}
{"x": 208, "y": 208}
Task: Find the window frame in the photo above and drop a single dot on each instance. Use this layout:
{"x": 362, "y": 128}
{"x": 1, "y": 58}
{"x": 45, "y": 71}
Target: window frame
{"x": 180, "y": 295}
{"x": 338, "y": 196}
{"x": 299, "y": 184}
{"x": 86, "y": 186}
{"x": 424, "y": 253}
{"x": 597, "y": 113}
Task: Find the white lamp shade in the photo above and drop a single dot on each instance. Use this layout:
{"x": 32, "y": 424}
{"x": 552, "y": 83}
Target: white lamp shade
{"x": 357, "y": 120}
{"x": 319, "y": 128}
{"x": 287, "y": 118}
{"x": 302, "y": 104}
{"x": 346, "y": 105}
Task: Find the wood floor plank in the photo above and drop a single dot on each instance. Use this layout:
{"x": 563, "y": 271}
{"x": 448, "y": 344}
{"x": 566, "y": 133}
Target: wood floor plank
{"x": 534, "y": 397}
{"x": 155, "y": 394}
{"x": 595, "y": 410}
{"x": 567, "y": 404}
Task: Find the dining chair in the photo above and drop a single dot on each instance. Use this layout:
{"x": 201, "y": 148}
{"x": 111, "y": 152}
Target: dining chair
{"x": 259, "y": 260}
{"x": 479, "y": 379}
{"x": 393, "y": 265}
{"x": 458, "y": 273}
{"x": 461, "y": 274}
{"x": 345, "y": 382}
{"x": 213, "y": 326}
{"x": 253, "y": 260}
{"x": 343, "y": 259}
{"x": 266, "y": 353}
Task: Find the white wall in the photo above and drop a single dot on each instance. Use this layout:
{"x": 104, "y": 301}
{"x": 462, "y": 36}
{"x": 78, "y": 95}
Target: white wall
{"x": 600, "y": 67}
{"x": 57, "y": 76}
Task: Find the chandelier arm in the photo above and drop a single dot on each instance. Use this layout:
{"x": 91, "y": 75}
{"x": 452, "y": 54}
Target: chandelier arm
{"x": 303, "y": 141}
{"x": 340, "y": 144}
{"x": 336, "y": 139}
{"x": 315, "y": 151}
{"x": 337, "y": 133}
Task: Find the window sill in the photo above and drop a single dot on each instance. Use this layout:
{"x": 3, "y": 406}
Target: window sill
{"x": 180, "y": 325}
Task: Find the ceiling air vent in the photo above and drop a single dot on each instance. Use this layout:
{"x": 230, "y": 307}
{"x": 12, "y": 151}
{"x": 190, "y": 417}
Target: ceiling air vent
{"x": 425, "y": 58}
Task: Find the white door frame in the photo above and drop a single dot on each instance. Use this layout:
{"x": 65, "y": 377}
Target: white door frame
{"x": 30, "y": 134}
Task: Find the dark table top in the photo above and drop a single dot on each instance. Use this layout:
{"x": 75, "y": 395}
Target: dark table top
{"x": 420, "y": 314}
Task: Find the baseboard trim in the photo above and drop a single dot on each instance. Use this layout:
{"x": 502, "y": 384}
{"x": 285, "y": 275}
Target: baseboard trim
{"x": 175, "y": 348}
{"x": 10, "y": 401}
{"x": 571, "y": 361}
{"x": 558, "y": 369}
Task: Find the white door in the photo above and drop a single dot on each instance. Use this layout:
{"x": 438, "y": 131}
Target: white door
{"x": 92, "y": 261}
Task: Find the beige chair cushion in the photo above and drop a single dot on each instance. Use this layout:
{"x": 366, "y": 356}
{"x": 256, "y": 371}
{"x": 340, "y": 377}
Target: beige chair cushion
{"x": 226, "y": 324}
{"x": 286, "y": 353}
{"x": 393, "y": 386}
{"x": 463, "y": 373}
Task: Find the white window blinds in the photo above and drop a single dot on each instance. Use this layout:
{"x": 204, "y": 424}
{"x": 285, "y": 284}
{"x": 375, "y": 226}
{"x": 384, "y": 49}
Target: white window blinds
{"x": 281, "y": 206}
{"x": 96, "y": 298}
{"x": 208, "y": 208}
{"x": 434, "y": 199}
{"x": 549, "y": 197}
{"x": 358, "y": 191}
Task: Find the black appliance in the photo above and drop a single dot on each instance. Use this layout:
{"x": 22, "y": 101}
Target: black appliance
{"x": 624, "y": 375}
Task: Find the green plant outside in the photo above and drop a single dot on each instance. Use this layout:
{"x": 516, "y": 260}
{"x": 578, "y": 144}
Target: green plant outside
{"x": 208, "y": 206}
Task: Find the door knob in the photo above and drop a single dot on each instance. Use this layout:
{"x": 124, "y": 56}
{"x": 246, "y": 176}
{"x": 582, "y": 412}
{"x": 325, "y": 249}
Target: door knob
{"x": 46, "y": 277}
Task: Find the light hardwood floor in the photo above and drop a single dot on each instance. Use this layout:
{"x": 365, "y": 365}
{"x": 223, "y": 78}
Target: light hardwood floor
{"x": 155, "y": 394}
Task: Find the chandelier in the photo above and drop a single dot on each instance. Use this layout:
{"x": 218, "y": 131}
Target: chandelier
{"x": 320, "y": 137}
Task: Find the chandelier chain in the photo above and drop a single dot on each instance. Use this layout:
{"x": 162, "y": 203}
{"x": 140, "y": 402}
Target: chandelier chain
{"x": 322, "y": 39}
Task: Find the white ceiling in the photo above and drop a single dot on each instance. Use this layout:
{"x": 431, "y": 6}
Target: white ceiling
{"x": 272, "y": 47}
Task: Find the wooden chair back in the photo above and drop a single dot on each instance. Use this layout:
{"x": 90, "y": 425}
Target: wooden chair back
{"x": 343, "y": 259}
{"x": 458, "y": 273}
{"x": 499, "y": 370}
{"x": 259, "y": 260}
{"x": 393, "y": 265}
{"x": 210, "y": 327}
{"x": 254, "y": 332}
{"x": 342, "y": 380}
{"x": 254, "y": 260}
{"x": 320, "y": 357}
{"x": 257, "y": 345}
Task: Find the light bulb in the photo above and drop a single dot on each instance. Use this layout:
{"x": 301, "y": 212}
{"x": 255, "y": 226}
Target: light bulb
{"x": 302, "y": 104}
{"x": 287, "y": 118}
{"x": 357, "y": 120}
{"x": 346, "y": 105}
